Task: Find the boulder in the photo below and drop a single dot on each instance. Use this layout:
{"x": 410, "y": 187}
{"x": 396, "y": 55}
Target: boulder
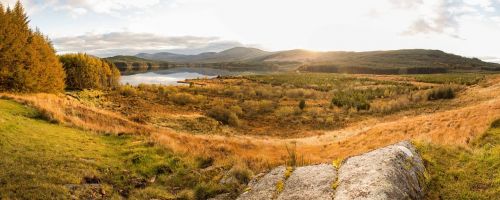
{"x": 310, "y": 182}
{"x": 393, "y": 172}
{"x": 265, "y": 187}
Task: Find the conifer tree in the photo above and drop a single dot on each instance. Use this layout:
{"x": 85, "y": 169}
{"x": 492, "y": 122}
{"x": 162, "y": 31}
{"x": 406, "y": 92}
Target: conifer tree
{"x": 27, "y": 59}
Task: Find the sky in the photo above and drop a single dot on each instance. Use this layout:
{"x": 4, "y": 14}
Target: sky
{"x": 110, "y": 27}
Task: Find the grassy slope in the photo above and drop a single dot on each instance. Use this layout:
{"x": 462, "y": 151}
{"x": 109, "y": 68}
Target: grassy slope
{"x": 459, "y": 173}
{"x": 40, "y": 160}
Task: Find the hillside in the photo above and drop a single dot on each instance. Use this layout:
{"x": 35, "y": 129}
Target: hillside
{"x": 412, "y": 61}
{"x": 236, "y": 54}
{"x": 132, "y": 63}
{"x": 406, "y": 61}
{"x": 204, "y": 141}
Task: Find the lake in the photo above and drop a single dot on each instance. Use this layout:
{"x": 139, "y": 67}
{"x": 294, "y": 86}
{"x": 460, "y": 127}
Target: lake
{"x": 173, "y": 75}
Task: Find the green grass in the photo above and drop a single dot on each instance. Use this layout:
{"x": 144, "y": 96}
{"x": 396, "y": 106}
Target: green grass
{"x": 459, "y": 173}
{"x": 319, "y": 81}
{"x": 40, "y": 160}
{"x": 461, "y": 79}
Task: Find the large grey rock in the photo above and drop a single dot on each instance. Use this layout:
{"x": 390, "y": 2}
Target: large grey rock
{"x": 310, "y": 182}
{"x": 265, "y": 187}
{"x": 393, "y": 172}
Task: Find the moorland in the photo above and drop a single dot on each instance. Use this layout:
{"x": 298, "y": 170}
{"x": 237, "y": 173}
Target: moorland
{"x": 70, "y": 130}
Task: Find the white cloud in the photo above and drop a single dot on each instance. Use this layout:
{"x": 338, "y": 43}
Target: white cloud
{"x": 128, "y": 43}
{"x": 80, "y": 7}
{"x": 107, "y": 6}
{"x": 353, "y": 25}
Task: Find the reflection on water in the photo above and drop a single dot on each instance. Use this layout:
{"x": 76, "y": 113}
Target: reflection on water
{"x": 172, "y": 76}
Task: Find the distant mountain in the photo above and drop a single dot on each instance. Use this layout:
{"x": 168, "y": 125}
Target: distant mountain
{"x": 235, "y": 54}
{"x": 163, "y": 56}
{"x": 383, "y": 62}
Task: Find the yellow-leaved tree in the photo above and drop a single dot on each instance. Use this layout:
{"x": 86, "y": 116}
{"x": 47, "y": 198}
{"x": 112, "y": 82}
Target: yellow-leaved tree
{"x": 28, "y": 62}
{"x": 89, "y": 72}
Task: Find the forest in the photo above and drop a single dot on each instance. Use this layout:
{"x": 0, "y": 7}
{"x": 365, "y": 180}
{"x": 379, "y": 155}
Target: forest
{"x": 28, "y": 61}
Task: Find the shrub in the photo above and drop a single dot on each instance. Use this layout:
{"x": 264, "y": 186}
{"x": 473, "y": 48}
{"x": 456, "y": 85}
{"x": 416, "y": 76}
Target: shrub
{"x": 301, "y": 93}
{"x": 128, "y": 90}
{"x": 418, "y": 96}
{"x": 302, "y": 104}
{"x": 263, "y": 92}
{"x": 204, "y": 161}
{"x": 351, "y": 99}
{"x": 165, "y": 91}
{"x": 243, "y": 175}
{"x": 206, "y": 191}
{"x": 390, "y": 106}
{"x": 445, "y": 92}
{"x": 236, "y": 110}
{"x": 186, "y": 98}
{"x": 252, "y": 107}
{"x": 283, "y": 112}
{"x": 495, "y": 124}
{"x": 224, "y": 115}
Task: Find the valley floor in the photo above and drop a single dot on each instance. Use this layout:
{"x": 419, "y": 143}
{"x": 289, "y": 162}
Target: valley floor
{"x": 445, "y": 127}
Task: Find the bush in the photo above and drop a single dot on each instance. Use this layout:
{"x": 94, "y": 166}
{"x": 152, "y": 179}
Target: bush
{"x": 128, "y": 91}
{"x": 445, "y": 92}
{"x": 283, "y": 112}
{"x": 352, "y": 99}
{"x": 206, "y": 190}
{"x": 390, "y": 106}
{"x": 89, "y": 72}
{"x": 243, "y": 175}
{"x": 302, "y": 104}
{"x": 186, "y": 98}
{"x": 495, "y": 124}
{"x": 301, "y": 93}
{"x": 263, "y": 92}
{"x": 224, "y": 115}
{"x": 252, "y": 107}
{"x": 203, "y": 162}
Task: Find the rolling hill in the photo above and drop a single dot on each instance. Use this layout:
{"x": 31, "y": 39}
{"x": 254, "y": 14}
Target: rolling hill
{"x": 236, "y": 54}
{"x": 412, "y": 61}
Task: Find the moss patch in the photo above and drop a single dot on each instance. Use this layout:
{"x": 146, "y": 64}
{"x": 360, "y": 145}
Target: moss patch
{"x": 459, "y": 173}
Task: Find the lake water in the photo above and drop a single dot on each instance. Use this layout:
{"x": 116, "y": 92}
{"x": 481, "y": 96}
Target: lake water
{"x": 172, "y": 76}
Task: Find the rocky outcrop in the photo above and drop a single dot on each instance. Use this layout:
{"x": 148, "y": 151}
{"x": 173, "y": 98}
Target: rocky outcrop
{"x": 266, "y": 187}
{"x": 310, "y": 182}
{"x": 392, "y": 172}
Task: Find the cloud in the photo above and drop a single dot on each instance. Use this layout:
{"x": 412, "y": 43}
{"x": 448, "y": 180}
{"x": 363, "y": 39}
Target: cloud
{"x": 406, "y": 4}
{"x": 128, "y": 43}
{"x": 80, "y": 7}
{"x": 445, "y": 16}
{"x": 490, "y": 59}
{"x": 105, "y": 6}
{"x": 442, "y": 17}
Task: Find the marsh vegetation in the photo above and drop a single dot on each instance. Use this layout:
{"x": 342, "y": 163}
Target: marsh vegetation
{"x": 284, "y": 104}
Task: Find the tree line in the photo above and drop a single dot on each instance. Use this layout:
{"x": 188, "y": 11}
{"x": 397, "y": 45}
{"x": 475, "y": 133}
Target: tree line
{"x": 28, "y": 61}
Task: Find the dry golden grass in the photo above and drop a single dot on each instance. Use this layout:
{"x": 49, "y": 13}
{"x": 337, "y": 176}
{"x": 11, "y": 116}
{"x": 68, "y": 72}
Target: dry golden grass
{"x": 456, "y": 126}
{"x": 67, "y": 111}
{"x": 70, "y": 112}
